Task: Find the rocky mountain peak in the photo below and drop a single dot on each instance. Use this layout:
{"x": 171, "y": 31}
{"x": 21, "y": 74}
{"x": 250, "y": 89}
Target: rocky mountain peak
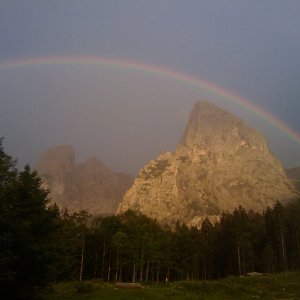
{"x": 219, "y": 164}
{"x": 214, "y": 128}
{"x": 60, "y": 158}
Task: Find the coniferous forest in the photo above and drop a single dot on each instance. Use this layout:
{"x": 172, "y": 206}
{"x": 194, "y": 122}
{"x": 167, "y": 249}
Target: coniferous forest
{"x": 41, "y": 245}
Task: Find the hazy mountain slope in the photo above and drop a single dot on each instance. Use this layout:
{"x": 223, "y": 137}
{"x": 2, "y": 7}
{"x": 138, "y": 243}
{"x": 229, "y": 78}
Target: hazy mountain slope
{"x": 294, "y": 175}
{"x": 90, "y": 185}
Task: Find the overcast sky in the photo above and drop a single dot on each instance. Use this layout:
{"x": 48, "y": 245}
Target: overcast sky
{"x": 127, "y": 117}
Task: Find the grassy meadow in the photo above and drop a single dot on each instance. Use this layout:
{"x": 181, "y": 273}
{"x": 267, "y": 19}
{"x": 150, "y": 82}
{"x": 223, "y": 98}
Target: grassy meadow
{"x": 280, "y": 286}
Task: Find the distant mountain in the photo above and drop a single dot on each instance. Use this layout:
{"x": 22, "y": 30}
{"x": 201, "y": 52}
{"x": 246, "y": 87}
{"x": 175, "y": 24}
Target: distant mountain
{"x": 90, "y": 185}
{"x": 219, "y": 164}
{"x": 294, "y": 175}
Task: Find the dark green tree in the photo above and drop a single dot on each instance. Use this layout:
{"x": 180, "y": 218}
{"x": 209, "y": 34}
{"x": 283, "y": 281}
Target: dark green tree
{"x": 28, "y": 230}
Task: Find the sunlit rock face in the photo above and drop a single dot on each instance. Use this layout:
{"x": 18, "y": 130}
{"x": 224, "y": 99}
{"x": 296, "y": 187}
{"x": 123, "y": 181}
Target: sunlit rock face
{"x": 219, "y": 164}
{"x": 90, "y": 186}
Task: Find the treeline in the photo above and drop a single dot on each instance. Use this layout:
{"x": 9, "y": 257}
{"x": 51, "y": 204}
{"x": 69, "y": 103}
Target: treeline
{"x": 40, "y": 244}
{"x": 133, "y": 247}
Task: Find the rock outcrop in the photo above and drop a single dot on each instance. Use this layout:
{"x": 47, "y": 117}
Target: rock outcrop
{"x": 219, "y": 164}
{"x": 89, "y": 186}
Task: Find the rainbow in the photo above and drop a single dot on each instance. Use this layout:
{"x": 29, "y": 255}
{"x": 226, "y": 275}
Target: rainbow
{"x": 159, "y": 71}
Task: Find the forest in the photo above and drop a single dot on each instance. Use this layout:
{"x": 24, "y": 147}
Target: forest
{"x": 41, "y": 245}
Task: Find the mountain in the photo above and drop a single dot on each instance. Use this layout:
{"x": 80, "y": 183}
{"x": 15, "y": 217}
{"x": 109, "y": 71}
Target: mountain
{"x": 90, "y": 185}
{"x": 219, "y": 164}
{"x": 294, "y": 175}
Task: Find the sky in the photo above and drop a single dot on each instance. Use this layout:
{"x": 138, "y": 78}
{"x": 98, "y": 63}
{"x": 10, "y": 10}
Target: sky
{"x": 127, "y": 116}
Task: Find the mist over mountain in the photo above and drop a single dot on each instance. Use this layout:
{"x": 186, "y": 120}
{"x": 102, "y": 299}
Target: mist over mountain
{"x": 219, "y": 164}
{"x": 294, "y": 175}
{"x": 89, "y": 186}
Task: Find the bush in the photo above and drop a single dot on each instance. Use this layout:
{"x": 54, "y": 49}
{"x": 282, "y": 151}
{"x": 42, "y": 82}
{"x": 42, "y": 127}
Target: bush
{"x": 83, "y": 287}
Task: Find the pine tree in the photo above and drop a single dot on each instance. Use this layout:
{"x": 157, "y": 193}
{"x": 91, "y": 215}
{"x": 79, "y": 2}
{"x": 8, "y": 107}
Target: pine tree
{"x": 28, "y": 227}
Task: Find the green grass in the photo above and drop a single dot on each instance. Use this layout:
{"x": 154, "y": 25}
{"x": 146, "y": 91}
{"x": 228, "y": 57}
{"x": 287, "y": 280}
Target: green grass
{"x": 268, "y": 287}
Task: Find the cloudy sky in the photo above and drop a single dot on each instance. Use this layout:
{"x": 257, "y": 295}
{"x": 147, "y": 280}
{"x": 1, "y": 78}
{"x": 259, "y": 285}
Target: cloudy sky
{"x": 127, "y": 116}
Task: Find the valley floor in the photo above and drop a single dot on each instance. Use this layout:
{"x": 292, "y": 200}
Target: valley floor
{"x": 279, "y": 286}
